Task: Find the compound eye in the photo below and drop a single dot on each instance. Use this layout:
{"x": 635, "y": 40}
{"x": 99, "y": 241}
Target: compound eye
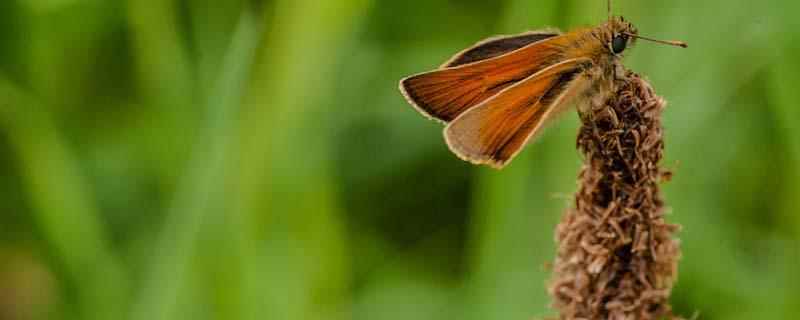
{"x": 619, "y": 43}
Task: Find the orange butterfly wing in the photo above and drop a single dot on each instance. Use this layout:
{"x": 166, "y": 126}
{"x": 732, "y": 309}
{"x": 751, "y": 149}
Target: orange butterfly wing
{"x": 446, "y": 93}
{"x": 496, "y": 130}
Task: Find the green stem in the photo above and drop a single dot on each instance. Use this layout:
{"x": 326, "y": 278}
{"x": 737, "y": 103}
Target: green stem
{"x": 285, "y": 196}
{"x": 200, "y": 195}
{"x": 63, "y": 203}
{"x": 506, "y": 280}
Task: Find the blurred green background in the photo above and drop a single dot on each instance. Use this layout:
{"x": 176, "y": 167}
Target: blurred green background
{"x": 202, "y": 159}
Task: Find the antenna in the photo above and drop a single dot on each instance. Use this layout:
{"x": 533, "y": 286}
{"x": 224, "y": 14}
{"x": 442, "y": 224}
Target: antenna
{"x": 667, "y": 42}
{"x": 609, "y": 10}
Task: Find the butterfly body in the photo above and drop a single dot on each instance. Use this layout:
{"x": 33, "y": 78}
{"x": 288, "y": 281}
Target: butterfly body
{"x": 495, "y": 96}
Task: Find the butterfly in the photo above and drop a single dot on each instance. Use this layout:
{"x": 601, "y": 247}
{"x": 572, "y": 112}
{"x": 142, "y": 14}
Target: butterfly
{"x": 495, "y": 96}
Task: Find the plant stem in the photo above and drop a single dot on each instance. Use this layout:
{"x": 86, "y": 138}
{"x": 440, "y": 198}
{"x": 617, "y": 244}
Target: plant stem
{"x": 617, "y": 256}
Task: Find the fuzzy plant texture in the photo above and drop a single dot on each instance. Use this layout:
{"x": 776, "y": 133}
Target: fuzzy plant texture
{"x": 617, "y": 256}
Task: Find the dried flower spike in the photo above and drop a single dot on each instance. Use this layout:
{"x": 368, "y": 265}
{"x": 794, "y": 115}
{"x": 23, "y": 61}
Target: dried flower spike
{"x": 617, "y": 256}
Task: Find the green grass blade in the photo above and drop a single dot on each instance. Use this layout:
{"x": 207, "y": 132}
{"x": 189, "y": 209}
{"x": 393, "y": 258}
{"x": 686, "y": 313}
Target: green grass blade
{"x": 297, "y": 267}
{"x": 516, "y": 211}
{"x": 201, "y": 195}
{"x": 63, "y": 204}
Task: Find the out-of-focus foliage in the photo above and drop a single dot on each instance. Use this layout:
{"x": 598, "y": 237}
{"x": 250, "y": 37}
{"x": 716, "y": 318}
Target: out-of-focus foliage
{"x": 202, "y": 159}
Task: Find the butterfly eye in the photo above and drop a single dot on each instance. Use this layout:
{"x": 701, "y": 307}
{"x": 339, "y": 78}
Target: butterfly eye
{"x": 619, "y": 43}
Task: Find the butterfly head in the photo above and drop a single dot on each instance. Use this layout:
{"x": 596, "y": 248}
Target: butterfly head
{"x": 618, "y": 35}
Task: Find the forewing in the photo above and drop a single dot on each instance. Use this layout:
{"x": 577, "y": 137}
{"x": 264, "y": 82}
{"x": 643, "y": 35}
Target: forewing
{"x": 495, "y": 131}
{"x": 497, "y": 46}
{"x": 446, "y": 93}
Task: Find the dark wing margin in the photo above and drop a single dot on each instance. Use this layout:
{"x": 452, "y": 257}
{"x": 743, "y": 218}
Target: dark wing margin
{"x": 497, "y": 46}
{"x": 493, "y": 132}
